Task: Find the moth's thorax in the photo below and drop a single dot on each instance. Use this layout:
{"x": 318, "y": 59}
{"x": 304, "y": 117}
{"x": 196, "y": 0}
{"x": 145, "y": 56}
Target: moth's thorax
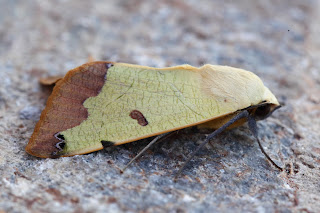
{"x": 234, "y": 88}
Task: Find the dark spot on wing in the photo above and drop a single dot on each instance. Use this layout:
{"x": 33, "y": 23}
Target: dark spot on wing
{"x": 106, "y": 144}
{"x": 60, "y": 145}
{"x": 135, "y": 114}
{"x": 108, "y": 65}
{"x": 59, "y": 136}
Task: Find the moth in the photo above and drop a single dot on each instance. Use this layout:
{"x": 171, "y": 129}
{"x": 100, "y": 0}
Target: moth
{"x": 103, "y": 104}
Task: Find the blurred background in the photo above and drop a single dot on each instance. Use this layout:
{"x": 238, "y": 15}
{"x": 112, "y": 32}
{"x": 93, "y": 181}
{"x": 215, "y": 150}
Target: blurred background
{"x": 277, "y": 40}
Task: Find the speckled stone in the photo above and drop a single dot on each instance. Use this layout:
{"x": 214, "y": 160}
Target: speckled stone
{"x": 278, "y": 40}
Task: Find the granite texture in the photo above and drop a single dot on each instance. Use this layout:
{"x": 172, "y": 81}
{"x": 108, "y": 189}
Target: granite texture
{"x": 278, "y": 40}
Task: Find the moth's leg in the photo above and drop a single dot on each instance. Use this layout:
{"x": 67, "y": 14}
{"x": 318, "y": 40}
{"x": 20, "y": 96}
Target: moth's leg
{"x": 156, "y": 139}
{"x": 210, "y": 143}
{"x": 254, "y": 130}
{"x": 171, "y": 138}
{"x": 239, "y": 116}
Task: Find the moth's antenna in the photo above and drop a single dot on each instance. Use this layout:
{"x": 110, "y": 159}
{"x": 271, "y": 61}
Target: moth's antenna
{"x": 254, "y": 130}
{"x": 239, "y": 116}
{"x": 156, "y": 139}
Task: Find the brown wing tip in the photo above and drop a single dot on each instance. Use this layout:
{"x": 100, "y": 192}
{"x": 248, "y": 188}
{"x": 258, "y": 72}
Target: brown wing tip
{"x": 41, "y": 152}
{"x": 64, "y": 107}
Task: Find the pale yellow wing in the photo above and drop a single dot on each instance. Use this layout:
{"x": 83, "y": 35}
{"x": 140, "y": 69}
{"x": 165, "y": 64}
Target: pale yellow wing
{"x": 168, "y": 99}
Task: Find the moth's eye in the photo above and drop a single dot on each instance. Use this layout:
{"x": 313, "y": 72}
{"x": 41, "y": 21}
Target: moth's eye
{"x": 263, "y": 111}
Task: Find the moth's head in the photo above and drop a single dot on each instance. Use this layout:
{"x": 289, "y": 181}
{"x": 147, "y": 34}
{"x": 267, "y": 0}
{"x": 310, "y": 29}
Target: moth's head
{"x": 264, "y": 110}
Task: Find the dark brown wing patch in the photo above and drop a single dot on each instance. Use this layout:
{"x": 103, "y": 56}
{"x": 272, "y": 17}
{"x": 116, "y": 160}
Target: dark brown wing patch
{"x": 135, "y": 114}
{"x": 64, "y": 108}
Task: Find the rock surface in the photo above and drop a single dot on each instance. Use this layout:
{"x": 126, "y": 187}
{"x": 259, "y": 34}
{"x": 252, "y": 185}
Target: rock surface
{"x": 278, "y": 40}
